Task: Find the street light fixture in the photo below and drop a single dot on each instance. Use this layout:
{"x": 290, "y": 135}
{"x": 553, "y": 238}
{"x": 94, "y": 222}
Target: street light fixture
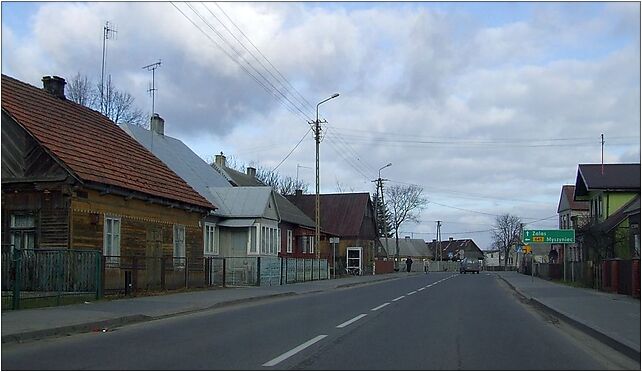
{"x": 383, "y": 204}
{"x": 317, "y": 138}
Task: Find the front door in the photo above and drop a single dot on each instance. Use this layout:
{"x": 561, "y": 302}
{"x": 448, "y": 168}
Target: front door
{"x": 153, "y": 256}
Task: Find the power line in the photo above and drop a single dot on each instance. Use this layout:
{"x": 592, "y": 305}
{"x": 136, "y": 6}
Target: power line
{"x": 291, "y": 151}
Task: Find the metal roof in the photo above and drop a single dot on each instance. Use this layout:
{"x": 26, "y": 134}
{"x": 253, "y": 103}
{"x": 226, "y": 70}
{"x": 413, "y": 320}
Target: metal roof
{"x": 237, "y": 222}
{"x": 617, "y": 177}
{"x": 250, "y": 202}
{"x": 407, "y": 247}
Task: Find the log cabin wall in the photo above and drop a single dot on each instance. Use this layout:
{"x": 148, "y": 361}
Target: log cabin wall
{"x": 146, "y": 229}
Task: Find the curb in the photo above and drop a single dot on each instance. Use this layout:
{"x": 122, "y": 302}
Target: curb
{"x": 588, "y": 330}
{"x": 125, "y": 320}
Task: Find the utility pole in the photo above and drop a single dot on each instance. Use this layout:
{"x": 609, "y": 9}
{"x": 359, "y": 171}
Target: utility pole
{"x": 109, "y": 32}
{"x": 152, "y": 89}
{"x": 317, "y": 213}
{"x": 439, "y": 244}
{"x": 382, "y": 212}
{"x": 602, "y": 141}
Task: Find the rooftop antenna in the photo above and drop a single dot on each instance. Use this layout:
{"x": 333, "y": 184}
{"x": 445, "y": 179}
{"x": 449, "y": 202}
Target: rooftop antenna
{"x": 152, "y": 89}
{"x": 109, "y": 32}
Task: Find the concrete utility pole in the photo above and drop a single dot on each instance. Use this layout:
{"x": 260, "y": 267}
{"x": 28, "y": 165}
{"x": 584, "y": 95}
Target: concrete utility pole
{"x": 317, "y": 139}
{"x": 379, "y": 182}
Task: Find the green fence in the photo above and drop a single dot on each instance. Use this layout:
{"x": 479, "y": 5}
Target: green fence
{"x": 49, "y": 277}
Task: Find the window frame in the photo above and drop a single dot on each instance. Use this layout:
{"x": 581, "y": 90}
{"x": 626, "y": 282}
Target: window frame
{"x": 213, "y": 248}
{"x": 114, "y": 239}
{"x": 289, "y": 242}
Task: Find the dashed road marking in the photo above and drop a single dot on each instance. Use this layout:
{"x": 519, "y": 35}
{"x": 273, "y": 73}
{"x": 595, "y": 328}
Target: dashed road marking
{"x": 380, "y": 306}
{"x": 345, "y": 324}
{"x": 297, "y": 349}
{"x": 411, "y": 293}
{"x": 398, "y": 298}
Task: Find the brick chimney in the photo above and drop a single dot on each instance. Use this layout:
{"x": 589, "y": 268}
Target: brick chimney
{"x": 54, "y": 85}
{"x": 251, "y": 171}
{"x": 220, "y": 160}
{"x": 157, "y": 124}
{"x": 298, "y": 192}
{"x": 450, "y": 238}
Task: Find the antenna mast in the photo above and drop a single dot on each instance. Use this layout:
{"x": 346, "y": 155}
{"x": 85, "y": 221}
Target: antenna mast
{"x": 152, "y": 90}
{"x": 109, "y": 32}
{"x": 602, "y": 137}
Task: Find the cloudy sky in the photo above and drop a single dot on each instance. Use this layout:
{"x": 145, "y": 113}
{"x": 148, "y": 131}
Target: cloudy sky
{"x": 488, "y": 106}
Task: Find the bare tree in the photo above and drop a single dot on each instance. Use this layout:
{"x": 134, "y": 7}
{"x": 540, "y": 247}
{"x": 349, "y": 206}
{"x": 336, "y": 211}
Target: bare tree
{"x": 405, "y": 202}
{"x": 117, "y": 105}
{"x": 506, "y": 233}
{"x": 79, "y": 90}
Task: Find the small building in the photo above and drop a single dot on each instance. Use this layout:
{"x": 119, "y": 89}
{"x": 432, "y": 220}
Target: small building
{"x": 350, "y": 217}
{"x": 573, "y": 214}
{"x": 416, "y": 249}
{"x": 491, "y": 257}
{"x": 455, "y": 249}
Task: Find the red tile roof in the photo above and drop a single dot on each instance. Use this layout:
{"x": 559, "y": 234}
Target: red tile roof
{"x": 568, "y": 192}
{"x": 91, "y": 146}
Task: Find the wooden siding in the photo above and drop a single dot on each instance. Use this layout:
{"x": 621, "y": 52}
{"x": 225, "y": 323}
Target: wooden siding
{"x": 146, "y": 229}
{"x": 23, "y": 158}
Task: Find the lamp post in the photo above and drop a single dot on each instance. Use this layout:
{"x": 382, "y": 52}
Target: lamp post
{"x": 317, "y": 138}
{"x": 383, "y": 204}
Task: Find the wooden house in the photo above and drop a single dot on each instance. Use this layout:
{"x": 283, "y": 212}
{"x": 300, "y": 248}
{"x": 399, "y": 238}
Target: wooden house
{"x": 73, "y": 179}
{"x": 349, "y": 217}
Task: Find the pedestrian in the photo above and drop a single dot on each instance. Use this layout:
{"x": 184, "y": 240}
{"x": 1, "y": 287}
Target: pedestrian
{"x": 408, "y": 263}
{"x": 426, "y": 265}
{"x": 552, "y": 256}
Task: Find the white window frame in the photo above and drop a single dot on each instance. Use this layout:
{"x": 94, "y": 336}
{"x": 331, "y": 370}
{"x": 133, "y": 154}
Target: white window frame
{"x": 289, "y": 242}
{"x": 278, "y": 240}
{"x": 113, "y": 237}
{"x": 210, "y": 239}
{"x": 253, "y": 245}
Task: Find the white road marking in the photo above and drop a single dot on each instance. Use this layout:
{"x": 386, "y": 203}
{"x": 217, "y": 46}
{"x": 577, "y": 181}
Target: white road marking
{"x": 398, "y": 298}
{"x": 351, "y": 321}
{"x": 297, "y": 349}
{"x": 411, "y": 293}
{"x": 421, "y": 289}
{"x": 380, "y": 306}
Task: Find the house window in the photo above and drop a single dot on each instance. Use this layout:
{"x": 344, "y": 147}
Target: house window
{"x": 111, "y": 244}
{"x": 23, "y": 231}
{"x": 307, "y": 244}
{"x": 252, "y": 242}
{"x": 279, "y": 239}
{"x": 211, "y": 239}
{"x": 289, "y": 242}
{"x": 179, "y": 245}
{"x": 263, "y": 240}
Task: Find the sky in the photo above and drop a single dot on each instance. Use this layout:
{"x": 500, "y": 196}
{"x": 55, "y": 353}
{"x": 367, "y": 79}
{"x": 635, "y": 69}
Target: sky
{"x": 489, "y": 107}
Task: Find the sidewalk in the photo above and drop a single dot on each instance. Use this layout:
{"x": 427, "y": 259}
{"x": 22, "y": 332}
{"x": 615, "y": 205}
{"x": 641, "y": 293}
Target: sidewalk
{"x": 23, "y": 325}
{"x": 612, "y": 318}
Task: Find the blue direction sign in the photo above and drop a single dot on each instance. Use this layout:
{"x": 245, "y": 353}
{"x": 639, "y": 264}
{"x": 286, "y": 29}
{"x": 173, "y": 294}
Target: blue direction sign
{"x": 549, "y": 236}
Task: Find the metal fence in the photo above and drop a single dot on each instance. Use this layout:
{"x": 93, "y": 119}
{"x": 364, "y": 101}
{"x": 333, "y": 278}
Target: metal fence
{"x": 57, "y": 274}
{"x": 46, "y": 277}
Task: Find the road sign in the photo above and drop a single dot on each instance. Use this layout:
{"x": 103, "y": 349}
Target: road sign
{"x": 549, "y": 236}
{"x": 334, "y": 240}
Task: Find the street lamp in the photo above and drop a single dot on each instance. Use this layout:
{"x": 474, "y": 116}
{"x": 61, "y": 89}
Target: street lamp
{"x": 383, "y": 204}
{"x": 317, "y": 138}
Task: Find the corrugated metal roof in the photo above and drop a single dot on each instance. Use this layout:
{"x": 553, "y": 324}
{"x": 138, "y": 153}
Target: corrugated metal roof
{"x": 250, "y": 202}
{"x": 625, "y": 177}
{"x": 180, "y": 158}
{"x": 93, "y": 147}
{"x": 288, "y": 211}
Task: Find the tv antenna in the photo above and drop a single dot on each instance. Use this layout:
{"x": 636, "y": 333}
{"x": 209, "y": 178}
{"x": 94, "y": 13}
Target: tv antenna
{"x": 109, "y": 32}
{"x": 152, "y": 89}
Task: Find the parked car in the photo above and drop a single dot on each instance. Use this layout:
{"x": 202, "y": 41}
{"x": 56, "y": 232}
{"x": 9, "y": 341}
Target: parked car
{"x": 469, "y": 265}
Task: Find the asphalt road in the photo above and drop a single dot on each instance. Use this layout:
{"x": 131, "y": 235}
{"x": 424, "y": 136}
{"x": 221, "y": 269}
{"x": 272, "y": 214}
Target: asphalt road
{"x": 424, "y": 322}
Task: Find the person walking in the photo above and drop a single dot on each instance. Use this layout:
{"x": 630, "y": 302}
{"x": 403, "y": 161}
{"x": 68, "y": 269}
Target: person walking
{"x": 408, "y": 263}
{"x": 426, "y": 265}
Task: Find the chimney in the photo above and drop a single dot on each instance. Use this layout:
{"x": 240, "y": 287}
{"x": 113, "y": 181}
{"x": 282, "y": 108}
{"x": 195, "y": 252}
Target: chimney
{"x": 434, "y": 240}
{"x": 298, "y": 192}
{"x": 450, "y": 238}
{"x": 54, "y": 85}
{"x": 407, "y": 237}
{"x": 251, "y": 171}
{"x": 157, "y": 124}
{"x": 220, "y": 160}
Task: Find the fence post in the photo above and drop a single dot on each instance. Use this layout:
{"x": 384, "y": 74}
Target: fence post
{"x": 134, "y": 282}
{"x": 258, "y": 271}
{"x": 58, "y": 277}
{"x": 98, "y": 270}
{"x": 206, "y": 274}
{"x": 16, "y": 285}
{"x": 162, "y": 272}
{"x": 223, "y": 272}
{"x": 281, "y": 273}
{"x": 186, "y": 272}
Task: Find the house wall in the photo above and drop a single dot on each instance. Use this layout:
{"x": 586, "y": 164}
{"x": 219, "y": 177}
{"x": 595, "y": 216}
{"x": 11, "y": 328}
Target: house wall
{"x": 146, "y": 229}
{"x": 367, "y": 252}
{"x": 297, "y": 233}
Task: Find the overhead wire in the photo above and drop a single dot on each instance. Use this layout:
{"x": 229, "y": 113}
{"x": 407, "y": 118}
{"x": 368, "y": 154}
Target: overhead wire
{"x": 291, "y": 151}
